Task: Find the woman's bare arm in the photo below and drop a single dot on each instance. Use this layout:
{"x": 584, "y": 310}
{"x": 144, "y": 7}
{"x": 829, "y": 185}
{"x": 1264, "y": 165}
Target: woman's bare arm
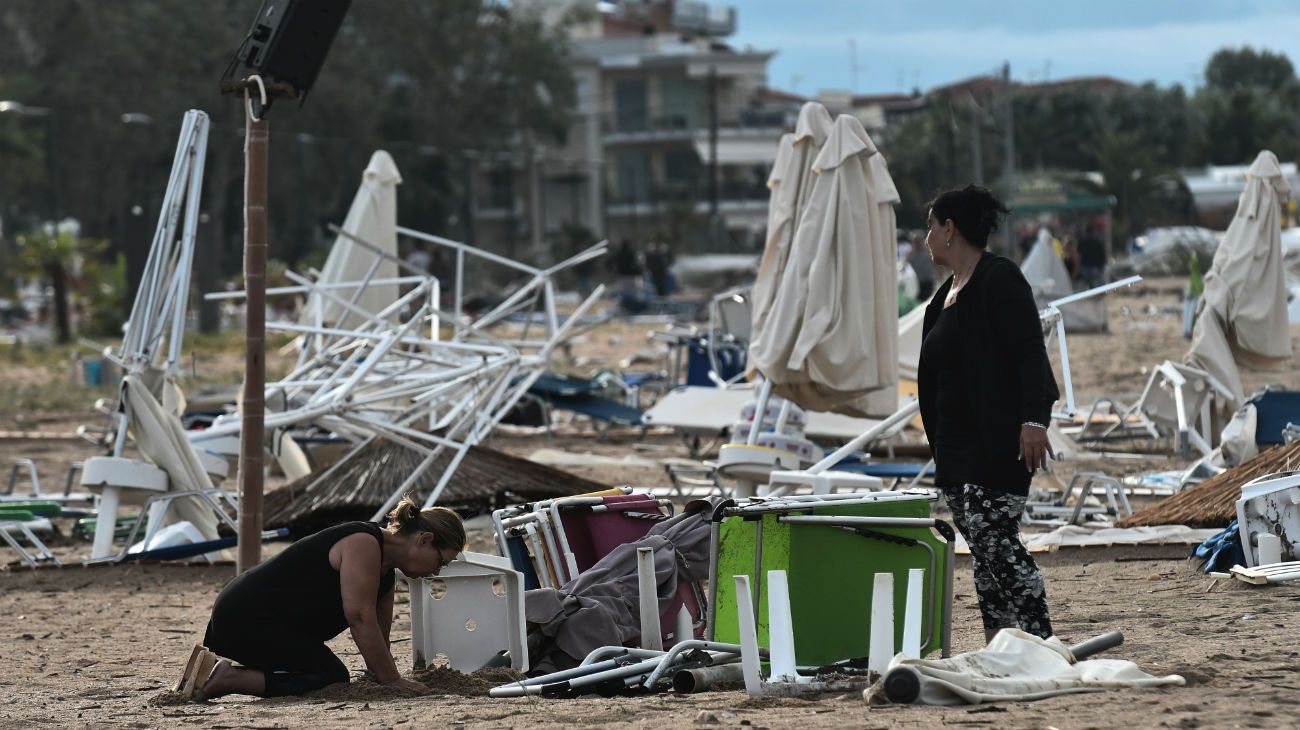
{"x": 359, "y": 580}
{"x": 385, "y": 610}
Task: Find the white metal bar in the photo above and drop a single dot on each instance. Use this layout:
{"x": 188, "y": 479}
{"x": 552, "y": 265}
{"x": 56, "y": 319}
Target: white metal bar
{"x": 648, "y": 594}
{"x": 1089, "y": 293}
{"x": 275, "y": 290}
{"x": 749, "y": 659}
{"x": 901, "y": 415}
{"x": 912, "y": 614}
{"x": 780, "y": 629}
{"x": 465, "y": 248}
{"x": 760, "y": 412}
{"x": 882, "y": 623}
{"x": 1065, "y": 367}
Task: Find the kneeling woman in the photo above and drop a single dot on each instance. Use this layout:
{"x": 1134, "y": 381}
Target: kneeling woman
{"x": 269, "y": 626}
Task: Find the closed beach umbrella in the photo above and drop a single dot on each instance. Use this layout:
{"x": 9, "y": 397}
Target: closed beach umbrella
{"x": 373, "y": 219}
{"x": 791, "y": 185}
{"x": 161, "y": 438}
{"x": 1242, "y": 316}
{"x": 831, "y": 333}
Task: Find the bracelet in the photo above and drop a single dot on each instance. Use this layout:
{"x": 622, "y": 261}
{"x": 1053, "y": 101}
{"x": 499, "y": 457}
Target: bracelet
{"x": 1035, "y": 425}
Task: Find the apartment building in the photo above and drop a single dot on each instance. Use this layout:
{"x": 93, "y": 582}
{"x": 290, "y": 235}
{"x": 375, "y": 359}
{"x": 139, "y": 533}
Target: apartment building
{"x": 661, "y": 96}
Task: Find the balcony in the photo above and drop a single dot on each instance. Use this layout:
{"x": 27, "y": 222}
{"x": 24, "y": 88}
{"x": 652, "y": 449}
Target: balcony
{"x": 632, "y": 128}
{"x": 734, "y": 196}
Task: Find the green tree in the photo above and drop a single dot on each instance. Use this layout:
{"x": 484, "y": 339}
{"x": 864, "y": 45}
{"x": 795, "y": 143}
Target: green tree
{"x": 1147, "y": 193}
{"x": 1230, "y": 69}
{"x": 434, "y": 83}
{"x": 1249, "y": 103}
{"x": 49, "y": 257}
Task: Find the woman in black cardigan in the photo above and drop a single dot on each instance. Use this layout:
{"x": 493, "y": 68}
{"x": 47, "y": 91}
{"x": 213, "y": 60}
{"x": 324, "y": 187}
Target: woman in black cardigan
{"x": 986, "y": 391}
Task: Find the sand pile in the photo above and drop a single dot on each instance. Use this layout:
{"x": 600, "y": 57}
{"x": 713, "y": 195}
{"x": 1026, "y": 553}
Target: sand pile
{"x": 441, "y": 681}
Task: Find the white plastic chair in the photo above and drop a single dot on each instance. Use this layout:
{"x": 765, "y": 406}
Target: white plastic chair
{"x": 471, "y": 612}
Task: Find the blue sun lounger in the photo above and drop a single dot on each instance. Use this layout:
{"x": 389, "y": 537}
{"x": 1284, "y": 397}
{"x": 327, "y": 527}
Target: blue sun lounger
{"x": 584, "y": 398}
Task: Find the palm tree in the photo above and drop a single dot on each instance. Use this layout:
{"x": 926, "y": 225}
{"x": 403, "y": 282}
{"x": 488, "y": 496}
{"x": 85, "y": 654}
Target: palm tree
{"x": 49, "y": 256}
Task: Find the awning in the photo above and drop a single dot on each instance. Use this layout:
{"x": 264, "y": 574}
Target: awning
{"x": 739, "y": 151}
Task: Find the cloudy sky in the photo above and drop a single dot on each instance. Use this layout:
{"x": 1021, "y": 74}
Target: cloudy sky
{"x": 905, "y": 43}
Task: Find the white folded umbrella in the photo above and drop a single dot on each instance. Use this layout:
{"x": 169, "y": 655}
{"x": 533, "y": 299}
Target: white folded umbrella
{"x": 1242, "y": 316}
{"x": 791, "y": 185}
{"x": 373, "y": 218}
{"x": 831, "y": 333}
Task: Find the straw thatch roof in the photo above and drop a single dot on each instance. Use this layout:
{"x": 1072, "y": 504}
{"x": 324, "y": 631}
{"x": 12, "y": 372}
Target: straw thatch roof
{"x": 484, "y": 479}
{"x": 1213, "y": 502}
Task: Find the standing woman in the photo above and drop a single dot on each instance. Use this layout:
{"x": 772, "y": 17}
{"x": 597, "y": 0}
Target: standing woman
{"x": 986, "y": 390}
{"x": 274, "y": 620}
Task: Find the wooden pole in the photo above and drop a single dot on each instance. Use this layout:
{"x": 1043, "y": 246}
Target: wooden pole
{"x": 252, "y": 427}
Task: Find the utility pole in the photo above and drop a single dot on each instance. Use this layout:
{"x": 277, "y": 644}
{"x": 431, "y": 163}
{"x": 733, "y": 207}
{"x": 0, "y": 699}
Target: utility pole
{"x": 1009, "y": 155}
{"x": 469, "y": 157}
{"x": 713, "y": 146}
{"x": 535, "y": 212}
{"x": 252, "y": 429}
{"x": 976, "y": 150}
{"x": 853, "y": 66}
{"x": 264, "y": 56}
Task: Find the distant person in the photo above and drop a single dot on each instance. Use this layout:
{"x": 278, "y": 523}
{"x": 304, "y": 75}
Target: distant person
{"x": 905, "y": 248}
{"x": 656, "y": 264}
{"x": 923, "y": 266}
{"x": 1028, "y": 237}
{"x": 1070, "y": 256}
{"x": 420, "y": 259}
{"x": 629, "y": 270}
{"x": 584, "y": 270}
{"x": 1092, "y": 258}
{"x": 986, "y": 390}
{"x": 269, "y": 626}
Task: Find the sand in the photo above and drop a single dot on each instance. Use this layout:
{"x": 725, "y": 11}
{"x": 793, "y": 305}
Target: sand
{"x": 102, "y": 647}
{"x": 108, "y": 643}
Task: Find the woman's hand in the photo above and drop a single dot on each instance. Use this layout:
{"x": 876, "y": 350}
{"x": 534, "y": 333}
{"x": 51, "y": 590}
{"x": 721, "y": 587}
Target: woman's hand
{"x": 1034, "y": 447}
{"x": 409, "y": 684}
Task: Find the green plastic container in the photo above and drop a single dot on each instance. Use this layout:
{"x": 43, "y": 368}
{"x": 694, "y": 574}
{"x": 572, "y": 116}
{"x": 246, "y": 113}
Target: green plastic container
{"x": 831, "y": 572}
{"x": 84, "y": 528}
{"x": 16, "y": 515}
{"x": 40, "y": 508}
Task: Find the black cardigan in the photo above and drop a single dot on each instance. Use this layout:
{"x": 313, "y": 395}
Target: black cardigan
{"x": 1005, "y": 368}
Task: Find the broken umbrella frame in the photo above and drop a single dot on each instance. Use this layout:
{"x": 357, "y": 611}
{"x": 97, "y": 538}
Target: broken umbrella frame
{"x": 387, "y": 379}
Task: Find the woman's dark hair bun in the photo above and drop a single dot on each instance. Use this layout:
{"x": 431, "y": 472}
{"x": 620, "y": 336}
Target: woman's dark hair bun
{"x": 407, "y": 518}
{"x": 974, "y": 210}
{"x": 405, "y": 515}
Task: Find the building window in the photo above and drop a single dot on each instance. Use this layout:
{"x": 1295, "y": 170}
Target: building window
{"x": 501, "y": 188}
{"x": 630, "y": 105}
{"x": 633, "y": 177}
{"x": 685, "y": 104}
{"x": 681, "y": 166}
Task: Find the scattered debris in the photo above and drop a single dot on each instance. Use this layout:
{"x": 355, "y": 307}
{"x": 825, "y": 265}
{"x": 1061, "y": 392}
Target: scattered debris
{"x": 356, "y": 488}
{"x": 1213, "y": 502}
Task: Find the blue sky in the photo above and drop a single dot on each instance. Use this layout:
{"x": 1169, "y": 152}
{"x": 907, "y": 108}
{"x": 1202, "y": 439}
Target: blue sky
{"x": 906, "y": 43}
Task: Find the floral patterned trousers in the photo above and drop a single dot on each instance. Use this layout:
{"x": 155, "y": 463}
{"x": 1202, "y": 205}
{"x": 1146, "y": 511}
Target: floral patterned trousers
{"x": 1010, "y": 588}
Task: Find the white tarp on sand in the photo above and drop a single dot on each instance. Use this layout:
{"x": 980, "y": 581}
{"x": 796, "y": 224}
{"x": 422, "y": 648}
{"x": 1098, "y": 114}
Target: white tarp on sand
{"x": 1242, "y": 316}
{"x": 1079, "y": 536}
{"x": 1016, "y": 666}
{"x": 372, "y": 218}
